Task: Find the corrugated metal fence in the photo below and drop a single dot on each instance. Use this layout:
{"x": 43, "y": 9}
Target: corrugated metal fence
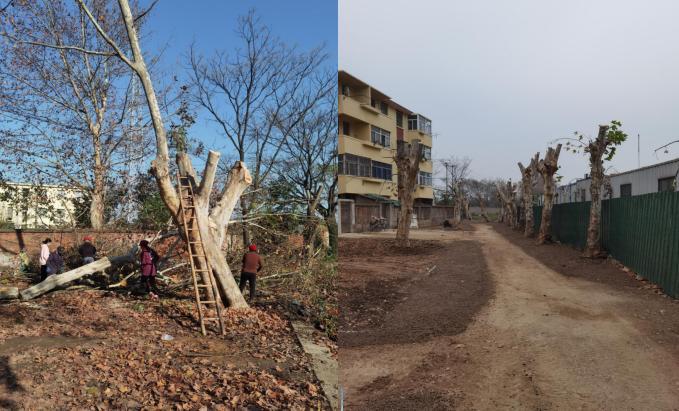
{"x": 642, "y": 232}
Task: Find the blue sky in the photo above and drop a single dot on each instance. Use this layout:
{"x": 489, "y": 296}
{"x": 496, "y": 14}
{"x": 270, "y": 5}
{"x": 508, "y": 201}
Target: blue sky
{"x": 211, "y": 24}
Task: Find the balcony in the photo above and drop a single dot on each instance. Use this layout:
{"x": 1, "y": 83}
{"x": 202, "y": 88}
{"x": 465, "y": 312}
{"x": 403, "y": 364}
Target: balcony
{"x": 359, "y": 108}
{"x": 419, "y": 123}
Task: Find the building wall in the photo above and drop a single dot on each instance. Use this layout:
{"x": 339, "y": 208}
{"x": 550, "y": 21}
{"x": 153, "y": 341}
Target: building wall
{"x": 356, "y": 117}
{"x": 31, "y": 206}
{"x": 356, "y": 110}
{"x": 643, "y": 181}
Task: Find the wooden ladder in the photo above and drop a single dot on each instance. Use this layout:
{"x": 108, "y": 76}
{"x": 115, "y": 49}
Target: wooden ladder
{"x": 194, "y": 246}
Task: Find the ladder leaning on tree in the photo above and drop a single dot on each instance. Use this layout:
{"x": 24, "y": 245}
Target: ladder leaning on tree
{"x": 203, "y": 278}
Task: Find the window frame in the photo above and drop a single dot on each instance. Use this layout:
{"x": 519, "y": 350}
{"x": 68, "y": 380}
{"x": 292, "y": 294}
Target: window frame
{"x": 626, "y": 185}
{"x": 671, "y": 184}
{"x": 380, "y": 136}
{"x": 384, "y": 170}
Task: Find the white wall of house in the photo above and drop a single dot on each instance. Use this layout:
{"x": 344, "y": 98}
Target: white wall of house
{"x": 643, "y": 181}
{"x": 31, "y": 206}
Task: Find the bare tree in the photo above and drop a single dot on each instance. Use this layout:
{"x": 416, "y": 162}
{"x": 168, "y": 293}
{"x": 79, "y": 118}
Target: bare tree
{"x": 308, "y": 165}
{"x": 408, "y": 157}
{"x": 457, "y": 171}
{"x": 65, "y": 102}
{"x": 547, "y": 167}
{"x": 507, "y": 194}
{"x": 257, "y": 95}
{"x": 528, "y": 175}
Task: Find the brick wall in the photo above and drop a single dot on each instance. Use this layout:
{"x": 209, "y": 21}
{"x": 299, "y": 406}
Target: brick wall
{"x": 11, "y": 241}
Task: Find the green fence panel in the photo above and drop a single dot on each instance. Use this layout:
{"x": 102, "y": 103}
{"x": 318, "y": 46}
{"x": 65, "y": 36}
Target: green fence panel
{"x": 642, "y": 232}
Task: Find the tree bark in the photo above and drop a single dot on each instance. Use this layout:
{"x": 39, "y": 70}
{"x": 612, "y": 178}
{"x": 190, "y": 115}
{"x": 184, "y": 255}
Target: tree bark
{"x": 408, "y": 157}
{"x": 547, "y": 167}
{"x": 457, "y": 205}
{"x": 527, "y": 176}
{"x": 482, "y": 206}
{"x": 57, "y": 280}
{"x": 596, "y": 149}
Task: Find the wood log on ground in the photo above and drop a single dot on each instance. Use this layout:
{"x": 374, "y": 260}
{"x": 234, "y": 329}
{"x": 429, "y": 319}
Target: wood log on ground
{"x": 9, "y": 293}
{"x": 57, "y": 280}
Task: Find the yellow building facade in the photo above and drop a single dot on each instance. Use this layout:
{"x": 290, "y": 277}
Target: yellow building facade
{"x": 370, "y": 124}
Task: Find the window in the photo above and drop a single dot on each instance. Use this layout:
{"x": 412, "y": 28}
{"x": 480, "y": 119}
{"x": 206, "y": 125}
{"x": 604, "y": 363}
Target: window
{"x": 424, "y": 179}
{"x": 426, "y": 153}
{"x": 625, "y": 190}
{"x": 346, "y": 128}
{"x": 583, "y": 195}
{"x": 666, "y": 184}
{"x": 346, "y": 91}
{"x": 399, "y": 119}
{"x": 380, "y": 136}
{"x": 384, "y": 108}
{"x": 418, "y": 122}
{"x": 381, "y": 170}
{"x": 352, "y": 165}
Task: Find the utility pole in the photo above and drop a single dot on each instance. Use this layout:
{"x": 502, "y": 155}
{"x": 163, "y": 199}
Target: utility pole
{"x": 638, "y": 151}
{"x": 446, "y": 164}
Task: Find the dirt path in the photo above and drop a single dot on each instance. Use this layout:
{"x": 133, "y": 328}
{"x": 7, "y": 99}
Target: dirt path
{"x": 544, "y": 341}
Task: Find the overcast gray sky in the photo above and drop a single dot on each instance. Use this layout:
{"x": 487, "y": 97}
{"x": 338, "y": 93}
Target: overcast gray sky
{"x": 501, "y": 79}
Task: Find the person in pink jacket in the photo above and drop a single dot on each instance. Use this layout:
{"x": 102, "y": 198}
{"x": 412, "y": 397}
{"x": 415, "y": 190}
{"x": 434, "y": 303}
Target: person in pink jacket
{"x": 44, "y": 256}
{"x": 148, "y": 258}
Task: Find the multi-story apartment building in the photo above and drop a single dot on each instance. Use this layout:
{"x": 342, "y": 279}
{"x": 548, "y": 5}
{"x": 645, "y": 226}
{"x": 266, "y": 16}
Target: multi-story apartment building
{"x": 370, "y": 124}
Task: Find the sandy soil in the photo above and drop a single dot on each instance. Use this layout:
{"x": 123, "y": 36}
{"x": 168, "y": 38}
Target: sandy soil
{"x": 539, "y": 332}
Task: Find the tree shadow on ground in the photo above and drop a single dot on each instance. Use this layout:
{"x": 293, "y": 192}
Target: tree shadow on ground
{"x": 9, "y": 380}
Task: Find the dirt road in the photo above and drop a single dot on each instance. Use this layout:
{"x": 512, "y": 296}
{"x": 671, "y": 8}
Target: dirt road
{"x": 494, "y": 327}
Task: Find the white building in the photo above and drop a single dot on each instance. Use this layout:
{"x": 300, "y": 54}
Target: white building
{"x": 644, "y": 180}
{"x": 37, "y": 206}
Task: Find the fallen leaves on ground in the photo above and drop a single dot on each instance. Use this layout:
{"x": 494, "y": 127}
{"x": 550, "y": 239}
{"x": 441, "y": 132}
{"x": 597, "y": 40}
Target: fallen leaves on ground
{"x": 100, "y": 350}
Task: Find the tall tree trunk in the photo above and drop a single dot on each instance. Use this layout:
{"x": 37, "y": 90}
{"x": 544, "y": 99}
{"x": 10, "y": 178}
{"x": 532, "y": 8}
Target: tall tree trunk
{"x": 408, "y": 156}
{"x": 244, "y": 213}
{"x": 482, "y": 206}
{"x": 98, "y": 194}
{"x": 457, "y": 205}
{"x": 527, "y": 176}
{"x": 547, "y": 167}
{"x": 596, "y": 150}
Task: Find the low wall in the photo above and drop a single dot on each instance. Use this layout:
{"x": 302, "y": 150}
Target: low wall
{"x": 12, "y": 241}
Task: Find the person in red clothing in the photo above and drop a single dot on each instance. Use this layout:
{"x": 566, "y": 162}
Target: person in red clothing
{"x": 148, "y": 259}
{"x": 252, "y": 264}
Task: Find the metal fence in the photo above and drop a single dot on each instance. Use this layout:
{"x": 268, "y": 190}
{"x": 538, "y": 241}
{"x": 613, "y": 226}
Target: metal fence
{"x": 642, "y": 232}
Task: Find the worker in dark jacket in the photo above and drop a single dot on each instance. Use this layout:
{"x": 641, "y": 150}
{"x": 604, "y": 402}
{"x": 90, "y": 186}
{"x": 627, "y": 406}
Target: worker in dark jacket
{"x": 56, "y": 261}
{"x": 87, "y": 250}
{"x": 252, "y": 264}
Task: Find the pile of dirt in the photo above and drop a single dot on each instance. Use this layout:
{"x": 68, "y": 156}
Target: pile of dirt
{"x": 93, "y": 349}
{"x": 384, "y": 247}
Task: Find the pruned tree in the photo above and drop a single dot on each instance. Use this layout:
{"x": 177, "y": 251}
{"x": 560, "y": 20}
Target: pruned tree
{"x": 528, "y": 175}
{"x": 547, "y": 167}
{"x": 599, "y": 149}
{"x": 68, "y": 106}
{"x": 408, "y": 157}
{"x": 212, "y": 217}
{"x": 482, "y": 206}
{"x": 507, "y": 196}
{"x": 257, "y": 95}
